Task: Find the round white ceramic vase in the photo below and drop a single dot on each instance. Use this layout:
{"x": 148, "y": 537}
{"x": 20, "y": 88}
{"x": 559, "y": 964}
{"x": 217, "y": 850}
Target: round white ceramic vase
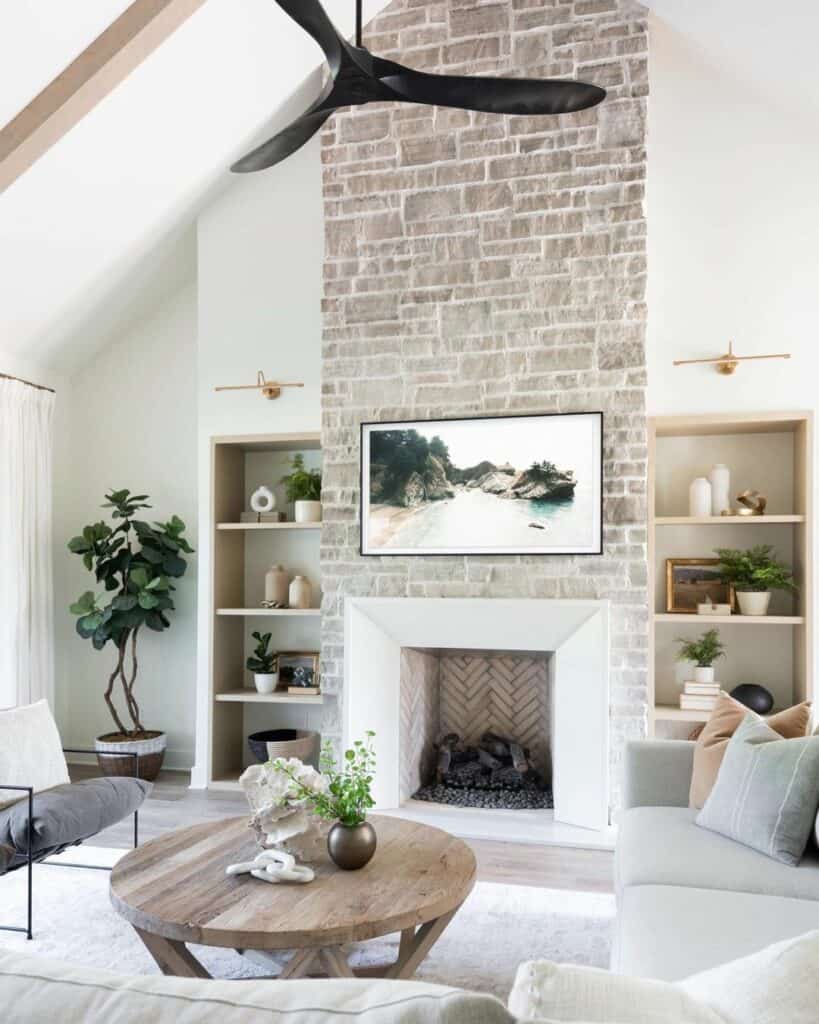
{"x": 699, "y": 497}
{"x": 704, "y": 674}
{"x": 754, "y": 602}
{"x": 266, "y": 682}
{"x": 720, "y": 480}
{"x": 301, "y": 593}
{"x": 276, "y": 585}
{"x": 308, "y": 511}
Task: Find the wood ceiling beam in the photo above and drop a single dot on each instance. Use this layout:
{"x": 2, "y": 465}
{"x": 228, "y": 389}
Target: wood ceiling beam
{"x": 109, "y": 59}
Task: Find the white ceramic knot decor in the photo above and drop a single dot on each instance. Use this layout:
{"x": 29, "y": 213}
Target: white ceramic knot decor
{"x": 273, "y": 866}
{"x": 262, "y": 500}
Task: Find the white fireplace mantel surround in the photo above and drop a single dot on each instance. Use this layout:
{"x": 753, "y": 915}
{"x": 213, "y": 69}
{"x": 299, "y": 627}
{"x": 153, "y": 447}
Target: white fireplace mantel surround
{"x": 575, "y": 632}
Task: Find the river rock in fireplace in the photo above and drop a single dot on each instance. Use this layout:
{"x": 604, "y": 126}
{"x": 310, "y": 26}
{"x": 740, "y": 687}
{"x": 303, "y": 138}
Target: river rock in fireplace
{"x": 497, "y": 773}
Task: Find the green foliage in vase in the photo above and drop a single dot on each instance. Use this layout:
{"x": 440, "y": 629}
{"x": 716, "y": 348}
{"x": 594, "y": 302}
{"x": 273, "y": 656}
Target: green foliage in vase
{"x": 135, "y": 562}
{"x": 263, "y": 661}
{"x": 703, "y": 652}
{"x": 347, "y": 797}
{"x": 756, "y": 569}
{"x": 302, "y": 484}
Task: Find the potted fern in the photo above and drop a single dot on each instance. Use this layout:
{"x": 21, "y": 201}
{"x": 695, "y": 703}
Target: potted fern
{"x": 264, "y": 664}
{"x": 135, "y": 562}
{"x": 303, "y": 490}
{"x": 754, "y": 575}
{"x": 703, "y": 652}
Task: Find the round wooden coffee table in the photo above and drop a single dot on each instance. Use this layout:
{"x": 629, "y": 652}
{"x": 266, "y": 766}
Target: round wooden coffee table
{"x": 174, "y": 890}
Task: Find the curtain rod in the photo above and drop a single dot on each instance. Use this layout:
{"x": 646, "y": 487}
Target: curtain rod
{"x": 39, "y": 387}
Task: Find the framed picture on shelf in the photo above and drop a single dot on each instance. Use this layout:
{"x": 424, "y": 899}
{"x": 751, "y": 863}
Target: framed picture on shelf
{"x": 498, "y": 485}
{"x": 690, "y": 582}
{"x": 299, "y": 671}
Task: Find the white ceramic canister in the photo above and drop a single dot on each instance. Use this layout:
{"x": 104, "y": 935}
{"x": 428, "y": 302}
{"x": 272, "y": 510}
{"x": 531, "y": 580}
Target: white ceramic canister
{"x": 699, "y": 497}
{"x": 301, "y": 593}
{"x": 276, "y": 585}
{"x": 720, "y": 480}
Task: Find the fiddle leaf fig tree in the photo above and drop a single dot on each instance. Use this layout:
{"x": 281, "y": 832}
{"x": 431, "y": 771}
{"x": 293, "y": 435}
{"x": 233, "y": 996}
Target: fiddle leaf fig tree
{"x": 134, "y": 562}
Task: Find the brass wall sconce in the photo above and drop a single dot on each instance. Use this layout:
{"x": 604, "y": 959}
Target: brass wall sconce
{"x": 269, "y": 388}
{"x": 728, "y": 363}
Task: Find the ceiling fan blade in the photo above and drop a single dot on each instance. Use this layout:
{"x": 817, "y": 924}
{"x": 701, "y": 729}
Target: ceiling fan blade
{"x": 495, "y": 95}
{"x": 283, "y": 144}
{"x": 313, "y": 19}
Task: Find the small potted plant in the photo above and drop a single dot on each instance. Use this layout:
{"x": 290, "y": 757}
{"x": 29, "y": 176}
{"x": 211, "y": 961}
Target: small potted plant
{"x": 703, "y": 652}
{"x": 135, "y": 562}
{"x": 346, "y": 799}
{"x": 304, "y": 490}
{"x": 754, "y": 574}
{"x": 264, "y": 664}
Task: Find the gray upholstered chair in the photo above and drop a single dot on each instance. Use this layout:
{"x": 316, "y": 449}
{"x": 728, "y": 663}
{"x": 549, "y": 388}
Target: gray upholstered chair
{"x": 42, "y": 812}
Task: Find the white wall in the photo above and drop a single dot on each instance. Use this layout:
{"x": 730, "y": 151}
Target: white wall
{"x": 132, "y": 423}
{"x": 260, "y": 256}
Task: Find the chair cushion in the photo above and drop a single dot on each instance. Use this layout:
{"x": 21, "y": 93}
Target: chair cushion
{"x": 30, "y": 751}
{"x": 37, "y": 989}
{"x": 69, "y": 814}
{"x": 668, "y": 932}
{"x": 663, "y": 846}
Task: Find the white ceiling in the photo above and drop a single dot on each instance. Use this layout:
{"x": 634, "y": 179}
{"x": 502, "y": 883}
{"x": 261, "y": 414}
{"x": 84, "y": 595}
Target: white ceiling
{"x": 85, "y": 221}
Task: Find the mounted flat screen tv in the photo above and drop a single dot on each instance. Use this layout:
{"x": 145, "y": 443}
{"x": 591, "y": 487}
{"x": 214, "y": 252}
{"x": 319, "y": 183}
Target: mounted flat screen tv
{"x": 505, "y": 485}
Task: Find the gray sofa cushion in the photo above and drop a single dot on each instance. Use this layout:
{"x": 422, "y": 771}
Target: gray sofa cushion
{"x": 663, "y": 846}
{"x": 670, "y": 932}
{"x": 66, "y": 815}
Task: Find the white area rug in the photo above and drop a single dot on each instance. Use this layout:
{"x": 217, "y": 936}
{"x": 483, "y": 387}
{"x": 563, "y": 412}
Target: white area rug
{"x": 497, "y": 928}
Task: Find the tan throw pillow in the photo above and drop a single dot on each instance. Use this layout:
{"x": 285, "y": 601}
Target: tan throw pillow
{"x": 725, "y": 719}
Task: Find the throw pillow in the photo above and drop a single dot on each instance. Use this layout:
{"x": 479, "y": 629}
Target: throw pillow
{"x": 30, "y": 751}
{"x": 775, "y": 986}
{"x": 723, "y": 722}
{"x": 766, "y": 792}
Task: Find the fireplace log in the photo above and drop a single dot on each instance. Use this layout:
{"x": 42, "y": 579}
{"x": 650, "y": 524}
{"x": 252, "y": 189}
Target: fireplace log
{"x": 488, "y": 761}
{"x": 520, "y": 761}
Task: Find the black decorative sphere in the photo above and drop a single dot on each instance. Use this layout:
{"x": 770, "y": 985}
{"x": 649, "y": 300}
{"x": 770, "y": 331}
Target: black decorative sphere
{"x": 757, "y": 698}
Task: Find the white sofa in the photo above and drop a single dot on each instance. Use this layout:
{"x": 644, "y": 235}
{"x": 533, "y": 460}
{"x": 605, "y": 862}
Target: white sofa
{"x": 689, "y": 899}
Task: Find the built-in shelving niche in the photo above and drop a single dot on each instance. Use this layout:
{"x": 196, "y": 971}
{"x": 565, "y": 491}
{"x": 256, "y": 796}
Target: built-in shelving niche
{"x": 772, "y": 453}
{"x": 242, "y": 553}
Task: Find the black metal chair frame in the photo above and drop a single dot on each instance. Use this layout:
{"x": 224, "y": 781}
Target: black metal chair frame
{"x": 31, "y": 857}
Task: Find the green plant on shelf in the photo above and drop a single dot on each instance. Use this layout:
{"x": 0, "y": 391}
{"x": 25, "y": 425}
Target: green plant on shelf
{"x": 263, "y": 661}
{"x": 704, "y": 651}
{"x": 302, "y": 484}
{"x": 756, "y": 569}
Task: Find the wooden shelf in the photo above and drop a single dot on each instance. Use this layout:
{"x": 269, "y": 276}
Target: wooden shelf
{"x": 244, "y": 695}
{"x": 249, "y": 612}
{"x": 268, "y": 526}
{"x": 739, "y": 620}
{"x": 725, "y": 520}
{"x": 673, "y": 713}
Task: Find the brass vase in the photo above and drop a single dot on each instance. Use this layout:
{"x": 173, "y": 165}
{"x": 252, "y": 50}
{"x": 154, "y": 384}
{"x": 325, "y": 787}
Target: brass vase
{"x": 351, "y": 846}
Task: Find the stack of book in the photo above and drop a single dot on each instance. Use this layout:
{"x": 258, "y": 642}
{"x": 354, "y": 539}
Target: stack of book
{"x": 699, "y": 696}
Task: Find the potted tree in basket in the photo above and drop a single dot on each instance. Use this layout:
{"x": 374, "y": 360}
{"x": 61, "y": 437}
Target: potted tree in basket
{"x": 304, "y": 490}
{"x": 703, "y": 652}
{"x": 754, "y": 574}
{"x": 264, "y": 664}
{"x": 135, "y": 562}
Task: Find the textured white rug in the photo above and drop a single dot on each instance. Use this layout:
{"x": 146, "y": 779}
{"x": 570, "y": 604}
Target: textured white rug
{"x": 497, "y": 928}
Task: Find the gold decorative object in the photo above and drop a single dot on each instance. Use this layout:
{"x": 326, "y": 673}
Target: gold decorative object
{"x": 753, "y": 503}
{"x": 269, "y": 388}
{"x": 728, "y": 362}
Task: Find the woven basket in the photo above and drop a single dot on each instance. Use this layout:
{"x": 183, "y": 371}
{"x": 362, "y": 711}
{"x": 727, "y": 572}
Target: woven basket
{"x": 151, "y": 751}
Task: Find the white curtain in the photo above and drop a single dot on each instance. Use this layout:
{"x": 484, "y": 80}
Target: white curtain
{"x": 26, "y": 577}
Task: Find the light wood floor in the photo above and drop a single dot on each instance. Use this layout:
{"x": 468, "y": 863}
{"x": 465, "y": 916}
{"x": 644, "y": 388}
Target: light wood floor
{"x": 173, "y": 805}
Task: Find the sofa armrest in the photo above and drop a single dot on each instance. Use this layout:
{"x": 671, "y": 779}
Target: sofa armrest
{"x": 657, "y": 773}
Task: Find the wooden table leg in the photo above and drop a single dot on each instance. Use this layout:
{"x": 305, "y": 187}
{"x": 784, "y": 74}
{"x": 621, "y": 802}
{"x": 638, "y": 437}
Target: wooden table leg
{"x": 415, "y": 946}
{"x": 299, "y": 964}
{"x": 172, "y": 957}
{"x": 336, "y": 963}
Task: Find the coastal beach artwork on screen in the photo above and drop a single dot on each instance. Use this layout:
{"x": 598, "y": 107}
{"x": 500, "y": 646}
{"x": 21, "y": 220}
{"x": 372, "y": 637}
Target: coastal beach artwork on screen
{"x": 490, "y": 485}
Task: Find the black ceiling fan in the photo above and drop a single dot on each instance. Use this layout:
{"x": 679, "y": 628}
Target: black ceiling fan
{"x": 357, "y": 77}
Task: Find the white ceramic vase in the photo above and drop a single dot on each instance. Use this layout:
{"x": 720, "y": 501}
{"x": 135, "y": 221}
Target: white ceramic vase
{"x": 308, "y": 511}
{"x": 699, "y": 497}
{"x": 301, "y": 593}
{"x": 266, "y": 682}
{"x": 754, "y": 602}
{"x": 720, "y": 480}
{"x": 704, "y": 674}
{"x": 276, "y": 585}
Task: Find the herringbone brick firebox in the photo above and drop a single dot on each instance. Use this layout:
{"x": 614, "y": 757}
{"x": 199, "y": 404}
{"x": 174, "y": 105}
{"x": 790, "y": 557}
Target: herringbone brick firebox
{"x": 471, "y": 693}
